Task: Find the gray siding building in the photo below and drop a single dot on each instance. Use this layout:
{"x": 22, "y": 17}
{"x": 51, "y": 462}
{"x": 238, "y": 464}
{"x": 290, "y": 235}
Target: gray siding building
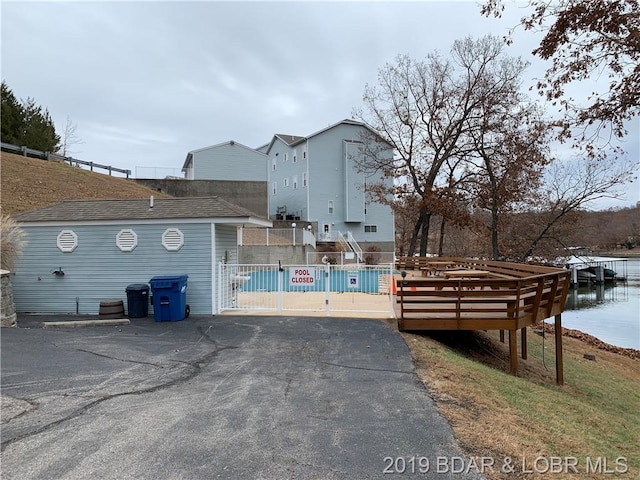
{"x": 102, "y": 246}
{"x": 230, "y": 161}
{"x": 317, "y": 179}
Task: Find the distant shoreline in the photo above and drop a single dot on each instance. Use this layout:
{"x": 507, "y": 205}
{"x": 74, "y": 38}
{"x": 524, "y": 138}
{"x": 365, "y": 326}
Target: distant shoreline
{"x": 594, "y": 341}
{"x": 633, "y": 253}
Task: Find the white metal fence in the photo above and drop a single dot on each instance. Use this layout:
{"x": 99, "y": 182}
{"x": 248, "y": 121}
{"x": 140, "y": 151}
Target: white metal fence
{"x": 306, "y": 288}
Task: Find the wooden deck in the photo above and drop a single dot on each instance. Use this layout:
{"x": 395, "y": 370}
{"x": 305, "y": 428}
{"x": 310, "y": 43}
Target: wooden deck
{"x": 435, "y": 293}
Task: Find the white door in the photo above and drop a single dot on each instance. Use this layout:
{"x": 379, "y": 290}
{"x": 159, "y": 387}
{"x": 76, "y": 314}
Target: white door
{"x": 326, "y": 232}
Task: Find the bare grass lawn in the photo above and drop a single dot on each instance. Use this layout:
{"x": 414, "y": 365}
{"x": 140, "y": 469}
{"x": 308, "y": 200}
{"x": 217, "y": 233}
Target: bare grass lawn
{"x": 30, "y": 183}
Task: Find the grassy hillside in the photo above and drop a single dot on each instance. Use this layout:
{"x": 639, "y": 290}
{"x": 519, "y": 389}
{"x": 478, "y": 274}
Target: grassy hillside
{"x": 522, "y": 422}
{"x": 29, "y": 183}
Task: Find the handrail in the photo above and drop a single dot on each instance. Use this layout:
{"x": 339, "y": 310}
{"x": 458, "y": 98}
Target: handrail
{"x": 26, "y": 151}
{"x": 354, "y": 246}
{"x": 343, "y": 242}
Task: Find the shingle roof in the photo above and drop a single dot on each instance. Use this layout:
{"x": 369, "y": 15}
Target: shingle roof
{"x": 292, "y": 140}
{"x": 289, "y": 139}
{"x": 127, "y": 209}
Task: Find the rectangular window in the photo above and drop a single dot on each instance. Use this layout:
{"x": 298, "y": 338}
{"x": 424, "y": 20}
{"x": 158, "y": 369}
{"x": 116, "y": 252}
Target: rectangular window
{"x": 330, "y": 206}
{"x": 304, "y": 154}
{"x": 370, "y": 228}
{"x": 275, "y": 188}
{"x": 295, "y": 182}
{"x": 295, "y": 156}
{"x": 285, "y": 181}
{"x": 285, "y": 157}
{"x": 304, "y": 179}
{"x": 273, "y": 164}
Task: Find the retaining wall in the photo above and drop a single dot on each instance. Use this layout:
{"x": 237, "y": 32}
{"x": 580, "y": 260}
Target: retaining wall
{"x": 250, "y": 195}
{"x": 7, "y": 308}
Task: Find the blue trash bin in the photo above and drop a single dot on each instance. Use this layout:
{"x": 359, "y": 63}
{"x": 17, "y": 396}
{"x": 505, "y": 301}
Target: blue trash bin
{"x": 169, "y": 297}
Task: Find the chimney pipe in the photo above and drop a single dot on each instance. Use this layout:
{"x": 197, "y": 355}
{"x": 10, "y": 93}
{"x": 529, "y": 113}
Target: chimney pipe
{"x": 151, "y": 203}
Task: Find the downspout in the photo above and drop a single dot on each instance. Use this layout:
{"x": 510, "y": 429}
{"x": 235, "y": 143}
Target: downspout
{"x": 308, "y": 183}
{"x": 216, "y": 287}
{"x": 268, "y": 185}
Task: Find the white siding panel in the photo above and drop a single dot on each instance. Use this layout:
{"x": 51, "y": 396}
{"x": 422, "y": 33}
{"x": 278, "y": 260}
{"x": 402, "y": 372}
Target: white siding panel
{"x": 97, "y": 270}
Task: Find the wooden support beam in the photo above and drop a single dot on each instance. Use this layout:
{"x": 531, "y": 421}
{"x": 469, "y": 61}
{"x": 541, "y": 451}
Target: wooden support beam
{"x": 523, "y": 342}
{"x": 502, "y": 336}
{"x": 513, "y": 351}
{"x": 559, "y": 364}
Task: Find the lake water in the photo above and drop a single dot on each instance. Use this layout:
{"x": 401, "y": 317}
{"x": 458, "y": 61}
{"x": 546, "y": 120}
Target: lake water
{"x": 610, "y": 313}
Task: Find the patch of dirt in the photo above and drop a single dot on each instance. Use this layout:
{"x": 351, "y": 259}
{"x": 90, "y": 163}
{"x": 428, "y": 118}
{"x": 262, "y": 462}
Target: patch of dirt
{"x": 31, "y": 183}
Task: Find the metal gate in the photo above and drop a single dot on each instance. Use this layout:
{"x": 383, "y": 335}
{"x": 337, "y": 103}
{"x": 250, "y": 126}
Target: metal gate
{"x": 306, "y": 288}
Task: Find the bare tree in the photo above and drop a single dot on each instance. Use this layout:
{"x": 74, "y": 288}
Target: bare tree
{"x": 511, "y": 145}
{"x": 69, "y": 139}
{"x": 452, "y": 201}
{"x": 568, "y": 187}
{"x": 405, "y": 211}
{"x": 424, "y": 110}
{"x": 584, "y": 39}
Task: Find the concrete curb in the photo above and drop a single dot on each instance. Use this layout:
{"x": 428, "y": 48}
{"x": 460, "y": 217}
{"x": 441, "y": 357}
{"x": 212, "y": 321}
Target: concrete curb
{"x": 86, "y": 323}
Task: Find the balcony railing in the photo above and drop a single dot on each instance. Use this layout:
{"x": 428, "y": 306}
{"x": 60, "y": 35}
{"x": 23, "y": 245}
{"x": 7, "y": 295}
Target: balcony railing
{"x": 275, "y": 236}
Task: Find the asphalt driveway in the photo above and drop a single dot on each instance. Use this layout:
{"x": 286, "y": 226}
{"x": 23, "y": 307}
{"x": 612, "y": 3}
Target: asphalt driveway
{"x": 219, "y": 397}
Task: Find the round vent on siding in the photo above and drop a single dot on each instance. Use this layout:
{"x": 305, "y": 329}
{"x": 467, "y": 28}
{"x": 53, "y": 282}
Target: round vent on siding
{"x": 126, "y": 240}
{"x": 172, "y": 239}
{"x": 67, "y": 241}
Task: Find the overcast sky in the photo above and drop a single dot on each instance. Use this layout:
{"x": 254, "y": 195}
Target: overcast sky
{"x": 146, "y": 82}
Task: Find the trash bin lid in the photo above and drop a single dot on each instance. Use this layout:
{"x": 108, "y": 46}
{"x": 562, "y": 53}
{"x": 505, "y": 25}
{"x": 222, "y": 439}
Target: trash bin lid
{"x": 169, "y": 278}
{"x": 137, "y": 287}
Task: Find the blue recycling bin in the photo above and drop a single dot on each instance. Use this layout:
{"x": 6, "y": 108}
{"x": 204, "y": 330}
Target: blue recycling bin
{"x": 169, "y": 297}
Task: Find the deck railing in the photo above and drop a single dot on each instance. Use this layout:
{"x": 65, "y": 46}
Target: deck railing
{"x": 480, "y": 303}
{"x": 436, "y": 293}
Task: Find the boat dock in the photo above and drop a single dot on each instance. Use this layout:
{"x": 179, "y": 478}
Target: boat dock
{"x": 588, "y": 269}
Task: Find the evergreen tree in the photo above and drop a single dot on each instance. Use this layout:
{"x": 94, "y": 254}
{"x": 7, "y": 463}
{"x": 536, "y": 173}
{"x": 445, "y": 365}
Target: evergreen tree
{"x": 39, "y": 131}
{"x": 11, "y": 117}
{"x": 26, "y": 123}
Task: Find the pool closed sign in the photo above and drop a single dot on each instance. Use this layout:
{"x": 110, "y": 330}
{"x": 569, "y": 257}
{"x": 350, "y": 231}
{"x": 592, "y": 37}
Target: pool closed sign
{"x": 302, "y": 276}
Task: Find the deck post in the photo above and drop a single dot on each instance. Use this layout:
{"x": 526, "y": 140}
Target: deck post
{"x": 403, "y": 274}
{"x": 559, "y": 365}
{"x": 513, "y": 351}
{"x": 523, "y": 342}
